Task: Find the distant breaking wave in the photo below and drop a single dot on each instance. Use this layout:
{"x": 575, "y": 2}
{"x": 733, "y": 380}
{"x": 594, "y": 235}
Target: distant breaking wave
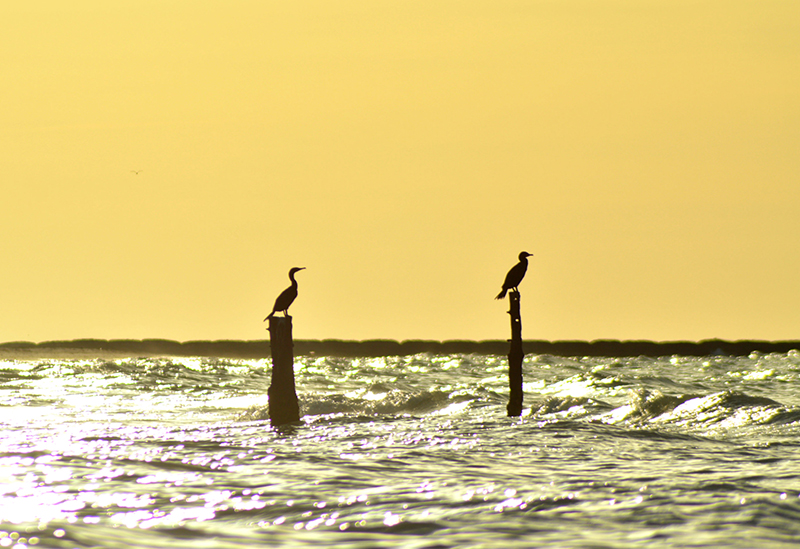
{"x": 254, "y": 349}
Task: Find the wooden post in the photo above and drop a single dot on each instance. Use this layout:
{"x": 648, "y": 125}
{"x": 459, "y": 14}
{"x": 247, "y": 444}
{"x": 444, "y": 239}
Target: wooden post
{"x": 282, "y": 395}
{"x": 515, "y": 356}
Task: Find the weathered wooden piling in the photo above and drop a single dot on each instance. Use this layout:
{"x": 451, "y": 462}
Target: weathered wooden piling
{"x": 282, "y": 394}
{"x": 515, "y": 356}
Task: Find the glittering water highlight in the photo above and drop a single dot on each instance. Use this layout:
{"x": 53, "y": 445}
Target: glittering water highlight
{"x": 402, "y": 452}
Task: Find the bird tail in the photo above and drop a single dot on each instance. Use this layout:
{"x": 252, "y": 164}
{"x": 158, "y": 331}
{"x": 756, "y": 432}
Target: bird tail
{"x": 269, "y": 316}
{"x": 502, "y": 294}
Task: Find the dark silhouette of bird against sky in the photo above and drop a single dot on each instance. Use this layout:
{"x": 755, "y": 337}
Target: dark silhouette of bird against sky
{"x": 287, "y": 296}
{"x": 515, "y": 275}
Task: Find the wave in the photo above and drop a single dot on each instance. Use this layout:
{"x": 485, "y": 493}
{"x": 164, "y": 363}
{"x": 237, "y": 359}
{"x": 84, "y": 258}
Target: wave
{"x": 648, "y": 408}
{"x": 389, "y": 403}
{"x": 729, "y": 409}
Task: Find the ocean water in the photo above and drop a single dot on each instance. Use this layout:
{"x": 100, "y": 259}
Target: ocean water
{"x": 410, "y": 451}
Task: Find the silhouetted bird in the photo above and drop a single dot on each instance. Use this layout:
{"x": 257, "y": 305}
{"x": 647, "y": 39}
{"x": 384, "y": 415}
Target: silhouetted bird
{"x": 515, "y": 275}
{"x": 287, "y": 296}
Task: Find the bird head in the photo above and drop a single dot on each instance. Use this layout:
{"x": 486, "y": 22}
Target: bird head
{"x": 523, "y": 255}
{"x": 295, "y": 269}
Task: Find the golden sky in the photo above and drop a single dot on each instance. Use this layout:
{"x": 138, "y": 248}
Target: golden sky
{"x": 647, "y": 152}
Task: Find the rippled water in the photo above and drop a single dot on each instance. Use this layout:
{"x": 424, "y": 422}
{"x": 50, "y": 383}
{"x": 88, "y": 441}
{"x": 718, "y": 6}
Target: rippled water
{"x": 402, "y": 452}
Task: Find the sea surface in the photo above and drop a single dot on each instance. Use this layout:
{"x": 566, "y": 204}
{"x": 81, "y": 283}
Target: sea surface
{"x": 413, "y": 451}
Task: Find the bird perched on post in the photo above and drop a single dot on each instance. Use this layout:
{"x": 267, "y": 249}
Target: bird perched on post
{"x": 515, "y": 275}
{"x": 287, "y": 296}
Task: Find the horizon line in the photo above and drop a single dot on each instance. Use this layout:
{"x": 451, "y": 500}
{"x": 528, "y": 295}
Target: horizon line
{"x": 260, "y": 348}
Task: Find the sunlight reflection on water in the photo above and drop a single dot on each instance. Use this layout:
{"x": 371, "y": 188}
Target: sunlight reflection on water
{"x": 163, "y": 453}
